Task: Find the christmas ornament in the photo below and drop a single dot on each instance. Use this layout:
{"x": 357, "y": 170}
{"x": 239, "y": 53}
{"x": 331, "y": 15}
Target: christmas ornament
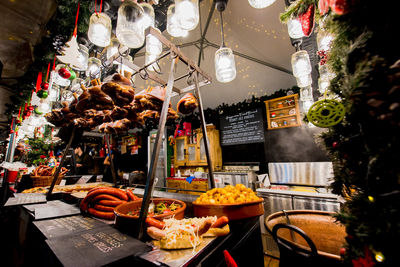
{"x": 44, "y": 86}
{"x": 342, "y": 251}
{"x": 323, "y": 6}
{"x": 335, "y": 144}
{"x": 42, "y": 94}
{"x": 71, "y": 54}
{"x": 340, "y": 7}
{"x": 307, "y": 20}
{"x": 326, "y": 113}
{"x": 73, "y": 75}
{"x": 31, "y": 108}
{"x": 38, "y": 111}
{"x": 64, "y": 73}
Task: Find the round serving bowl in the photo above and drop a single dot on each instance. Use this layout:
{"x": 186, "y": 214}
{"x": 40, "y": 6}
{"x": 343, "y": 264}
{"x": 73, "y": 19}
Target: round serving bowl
{"x": 232, "y": 211}
{"x": 130, "y": 223}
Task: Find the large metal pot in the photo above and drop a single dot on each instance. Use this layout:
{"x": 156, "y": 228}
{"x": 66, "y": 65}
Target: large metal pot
{"x": 307, "y": 237}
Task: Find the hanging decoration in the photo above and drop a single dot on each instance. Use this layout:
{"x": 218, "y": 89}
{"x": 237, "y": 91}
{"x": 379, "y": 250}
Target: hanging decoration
{"x": 326, "y": 113}
{"x": 99, "y": 32}
{"x": 307, "y": 20}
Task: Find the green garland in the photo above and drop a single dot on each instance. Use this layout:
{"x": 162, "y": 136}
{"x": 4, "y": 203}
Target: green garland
{"x": 60, "y": 26}
{"x": 365, "y": 146}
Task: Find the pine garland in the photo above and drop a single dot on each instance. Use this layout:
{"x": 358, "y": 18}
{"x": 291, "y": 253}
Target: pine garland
{"x": 365, "y": 147}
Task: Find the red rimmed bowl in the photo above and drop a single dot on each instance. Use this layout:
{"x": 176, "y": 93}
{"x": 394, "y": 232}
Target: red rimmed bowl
{"x": 232, "y": 211}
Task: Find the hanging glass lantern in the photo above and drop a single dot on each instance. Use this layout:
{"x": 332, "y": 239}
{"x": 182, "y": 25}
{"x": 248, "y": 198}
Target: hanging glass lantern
{"x": 306, "y": 93}
{"x": 304, "y": 81}
{"x": 83, "y": 58}
{"x": 76, "y": 86}
{"x": 261, "y": 3}
{"x": 94, "y": 68}
{"x": 324, "y": 40}
{"x": 325, "y": 72}
{"x": 173, "y": 27}
{"x": 99, "y": 32}
{"x": 225, "y": 68}
{"x": 153, "y": 45}
{"x": 294, "y": 29}
{"x": 188, "y": 13}
{"x": 150, "y": 58}
{"x": 130, "y": 30}
{"x": 301, "y": 63}
{"x": 58, "y": 79}
{"x": 323, "y": 85}
{"x": 148, "y": 16}
{"x": 44, "y": 107}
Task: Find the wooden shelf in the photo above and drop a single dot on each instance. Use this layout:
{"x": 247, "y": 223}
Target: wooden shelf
{"x": 278, "y": 101}
{"x": 282, "y": 117}
{"x": 287, "y": 107}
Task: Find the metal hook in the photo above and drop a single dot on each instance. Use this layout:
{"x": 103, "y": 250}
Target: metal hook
{"x": 158, "y": 70}
{"x": 144, "y": 76}
{"x": 126, "y": 53}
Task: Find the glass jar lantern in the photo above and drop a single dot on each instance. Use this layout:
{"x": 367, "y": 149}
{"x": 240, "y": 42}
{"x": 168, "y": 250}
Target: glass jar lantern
{"x": 225, "y": 68}
{"x": 188, "y": 13}
{"x": 94, "y": 68}
{"x": 148, "y": 15}
{"x": 130, "y": 30}
{"x": 301, "y": 63}
{"x": 99, "y": 32}
{"x": 304, "y": 81}
{"x": 294, "y": 28}
{"x": 261, "y": 3}
{"x": 153, "y": 45}
{"x": 173, "y": 27}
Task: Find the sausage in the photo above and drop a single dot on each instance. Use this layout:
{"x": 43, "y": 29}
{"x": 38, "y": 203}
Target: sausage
{"x": 220, "y": 222}
{"x": 111, "y": 203}
{"x": 131, "y": 195}
{"x": 155, "y": 233}
{"x": 103, "y": 208}
{"x": 155, "y": 223}
{"x": 108, "y": 191}
{"x": 104, "y": 196}
{"x": 102, "y": 214}
{"x": 203, "y": 228}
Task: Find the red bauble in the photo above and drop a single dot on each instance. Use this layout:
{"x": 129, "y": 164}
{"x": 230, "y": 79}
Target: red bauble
{"x": 31, "y": 108}
{"x": 307, "y": 21}
{"x": 340, "y": 7}
{"x": 335, "y": 144}
{"x": 28, "y": 113}
{"x": 323, "y": 6}
{"x": 45, "y": 86}
{"x": 64, "y": 73}
{"x": 342, "y": 251}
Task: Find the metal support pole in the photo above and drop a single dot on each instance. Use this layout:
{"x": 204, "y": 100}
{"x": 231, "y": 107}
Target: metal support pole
{"x": 156, "y": 150}
{"x": 204, "y": 128}
{"x": 57, "y": 172}
{"x": 111, "y": 160}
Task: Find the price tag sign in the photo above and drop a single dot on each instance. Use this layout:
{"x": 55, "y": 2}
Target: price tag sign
{"x": 84, "y": 179}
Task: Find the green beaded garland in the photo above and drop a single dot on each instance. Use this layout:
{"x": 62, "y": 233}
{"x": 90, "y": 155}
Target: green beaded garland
{"x": 326, "y": 113}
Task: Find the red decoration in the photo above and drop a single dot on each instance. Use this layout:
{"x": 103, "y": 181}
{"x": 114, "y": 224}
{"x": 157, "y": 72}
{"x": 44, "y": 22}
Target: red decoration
{"x": 45, "y": 86}
{"x": 31, "y": 108}
{"x": 342, "y": 251}
{"x": 307, "y": 20}
{"x": 340, "y": 7}
{"x": 323, "y": 6}
{"x": 367, "y": 261}
{"x": 28, "y": 113}
{"x": 38, "y": 81}
{"x": 335, "y": 144}
{"x": 64, "y": 73}
{"x": 42, "y": 156}
{"x": 230, "y": 262}
{"x": 323, "y": 55}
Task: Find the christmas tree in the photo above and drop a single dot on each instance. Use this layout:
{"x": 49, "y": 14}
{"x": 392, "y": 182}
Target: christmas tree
{"x": 365, "y": 146}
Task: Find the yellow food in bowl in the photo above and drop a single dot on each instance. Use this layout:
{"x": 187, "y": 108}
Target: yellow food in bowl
{"x": 228, "y": 195}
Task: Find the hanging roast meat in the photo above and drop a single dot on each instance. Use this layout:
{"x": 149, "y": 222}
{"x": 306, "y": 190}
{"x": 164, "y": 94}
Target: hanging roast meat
{"x": 115, "y": 127}
{"x": 119, "y": 113}
{"x": 119, "y": 89}
{"x": 187, "y": 104}
{"x": 151, "y": 98}
{"x": 94, "y": 97}
{"x": 56, "y": 117}
{"x": 98, "y": 115}
{"x": 172, "y": 115}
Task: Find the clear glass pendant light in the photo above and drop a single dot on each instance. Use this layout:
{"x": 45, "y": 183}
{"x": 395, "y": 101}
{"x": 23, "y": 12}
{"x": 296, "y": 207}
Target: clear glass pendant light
{"x": 301, "y": 63}
{"x": 294, "y": 29}
{"x": 99, "y": 32}
{"x": 261, "y": 3}
{"x": 153, "y": 45}
{"x": 130, "y": 30}
{"x": 304, "y": 81}
{"x": 94, "y": 68}
{"x": 188, "y": 13}
{"x": 148, "y": 16}
{"x": 173, "y": 27}
{"x": 225, "y": 68}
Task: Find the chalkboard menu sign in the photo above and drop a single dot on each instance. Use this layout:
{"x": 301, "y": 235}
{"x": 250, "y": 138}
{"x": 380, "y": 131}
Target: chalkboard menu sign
{"x": 95, "y": 247}
{"x": 242, "y": 128}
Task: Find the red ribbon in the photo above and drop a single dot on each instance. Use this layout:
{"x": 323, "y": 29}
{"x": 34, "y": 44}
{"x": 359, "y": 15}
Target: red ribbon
{"x": 48, "y": 70}
{"x": 76, "y": 20}
{"x": 19, "y": 112}
{"x": 95, "y": 4}
{"x": 38, "y": 81}
{"x": 12, "y": 124}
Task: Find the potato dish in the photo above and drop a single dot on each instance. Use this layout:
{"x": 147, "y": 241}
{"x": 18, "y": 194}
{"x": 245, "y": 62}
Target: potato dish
{"x": 228, "y": 195}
